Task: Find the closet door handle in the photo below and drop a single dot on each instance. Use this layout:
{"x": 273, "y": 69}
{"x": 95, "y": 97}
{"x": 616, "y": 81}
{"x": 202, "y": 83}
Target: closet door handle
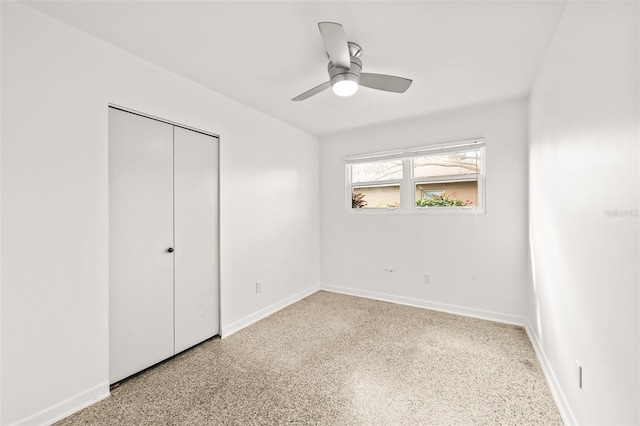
{"x": 170, "y": 249}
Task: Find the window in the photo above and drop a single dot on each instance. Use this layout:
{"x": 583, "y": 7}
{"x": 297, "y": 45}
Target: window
{"x": 456, "y": 172}
{"x": 376, "y": 184}
{"x": 446, "y": 177}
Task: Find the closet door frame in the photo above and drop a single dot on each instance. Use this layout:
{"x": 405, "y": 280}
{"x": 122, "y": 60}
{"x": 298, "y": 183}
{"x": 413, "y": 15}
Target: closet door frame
{"x": 217, "y": 225}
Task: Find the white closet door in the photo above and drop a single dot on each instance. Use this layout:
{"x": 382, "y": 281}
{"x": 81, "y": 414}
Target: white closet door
{"x": 196, "y": 238}
{"x": 141, "y": 231}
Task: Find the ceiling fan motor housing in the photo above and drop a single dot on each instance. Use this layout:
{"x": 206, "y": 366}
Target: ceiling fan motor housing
{"x": 337, "y": 74}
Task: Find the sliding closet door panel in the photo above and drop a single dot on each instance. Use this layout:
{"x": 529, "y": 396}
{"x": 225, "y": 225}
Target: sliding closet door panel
{"x": 140, "y": 233}
{"x": 196, "y": 238}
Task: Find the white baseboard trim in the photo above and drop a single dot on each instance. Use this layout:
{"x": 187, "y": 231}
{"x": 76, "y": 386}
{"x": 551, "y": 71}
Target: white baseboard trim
{"x": 558, "y": 395}
{"x": 89, "y": 397}
{"x": 426, "y": 304}
{"x": 67, "y": 407}
{"x": 228, "y": 330}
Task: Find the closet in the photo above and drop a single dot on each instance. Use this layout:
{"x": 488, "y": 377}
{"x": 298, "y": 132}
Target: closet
{"x": 163, "y": 241}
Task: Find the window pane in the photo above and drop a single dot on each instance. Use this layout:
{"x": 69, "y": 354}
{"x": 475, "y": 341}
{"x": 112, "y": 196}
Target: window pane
{"x": 447, "y": 194}
{"x": 455, "y": 163}
{"x": 376, "y": 171}
{"x": 375, "y": 197}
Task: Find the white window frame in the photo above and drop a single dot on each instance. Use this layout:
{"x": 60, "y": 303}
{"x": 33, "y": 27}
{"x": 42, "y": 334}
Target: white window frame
{"x": 408, "y": 182}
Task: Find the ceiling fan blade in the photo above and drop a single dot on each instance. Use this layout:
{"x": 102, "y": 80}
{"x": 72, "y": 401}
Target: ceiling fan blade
{"x": 388, "y": 83}
{"x": 335, "y": 41}
{"x": 312, "y": 92}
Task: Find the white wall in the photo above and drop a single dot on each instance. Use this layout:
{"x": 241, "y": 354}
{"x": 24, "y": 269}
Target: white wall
{"x": 0, "y": 218}
{"x": 355, "y": 249}
{"x": 583, "y": 162}
{"x": 56, "y": 85}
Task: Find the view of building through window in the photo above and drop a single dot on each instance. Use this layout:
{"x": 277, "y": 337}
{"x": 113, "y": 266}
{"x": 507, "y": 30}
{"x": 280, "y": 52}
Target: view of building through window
{"x": 439, "y": 179}
{"x": 387, "y": 196}
{"x": 383, "y": 188}
{"x": 454, "y": 175}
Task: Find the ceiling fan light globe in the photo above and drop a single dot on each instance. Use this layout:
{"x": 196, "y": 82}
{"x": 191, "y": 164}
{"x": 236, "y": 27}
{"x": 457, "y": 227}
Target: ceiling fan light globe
{"x": 345, "y": 88}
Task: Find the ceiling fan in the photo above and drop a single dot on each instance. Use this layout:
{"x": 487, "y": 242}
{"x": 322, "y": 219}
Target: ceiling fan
{"x": 345, "y": 67}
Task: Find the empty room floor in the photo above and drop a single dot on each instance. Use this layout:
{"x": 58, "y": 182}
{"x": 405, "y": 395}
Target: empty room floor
{"x": 342, "y": 360}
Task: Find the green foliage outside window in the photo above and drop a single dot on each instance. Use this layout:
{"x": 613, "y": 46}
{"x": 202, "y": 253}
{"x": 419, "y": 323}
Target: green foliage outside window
{"x": 357, "y": 201}
{"x": 389, "y": 205}
{"x": 443, "y": 200}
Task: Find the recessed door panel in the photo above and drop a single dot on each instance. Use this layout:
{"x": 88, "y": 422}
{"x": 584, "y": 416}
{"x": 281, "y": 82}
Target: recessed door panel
{"x": 141, "y": 311}
{"x": 196, "y": 238}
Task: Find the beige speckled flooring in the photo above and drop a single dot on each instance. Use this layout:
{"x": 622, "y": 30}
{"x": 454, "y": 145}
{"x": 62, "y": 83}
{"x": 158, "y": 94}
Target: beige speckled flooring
{"x": 332, "y": 359}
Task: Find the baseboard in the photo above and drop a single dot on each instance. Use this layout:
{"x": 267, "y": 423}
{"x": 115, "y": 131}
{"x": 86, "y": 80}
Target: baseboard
{"x": 89, "y": 397}
{"x": 435, "y": 306}
{"x": 67, "y": 407}
{"x": 558, "y": 395}
{"x": 228, "y": 330}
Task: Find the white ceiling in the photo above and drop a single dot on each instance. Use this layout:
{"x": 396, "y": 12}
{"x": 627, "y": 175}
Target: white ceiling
{"x": 264, "y": 53}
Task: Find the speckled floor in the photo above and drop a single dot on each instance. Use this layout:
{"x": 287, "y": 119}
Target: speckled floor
{"x": 332, "y": 359}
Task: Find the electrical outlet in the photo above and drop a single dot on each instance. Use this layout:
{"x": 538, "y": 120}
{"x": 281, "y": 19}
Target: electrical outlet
{"x": 579, "y": 374}
{"x": 388, "y": 270}
{"x": 258, "y": 286}
{"x": 426, "y": 278}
